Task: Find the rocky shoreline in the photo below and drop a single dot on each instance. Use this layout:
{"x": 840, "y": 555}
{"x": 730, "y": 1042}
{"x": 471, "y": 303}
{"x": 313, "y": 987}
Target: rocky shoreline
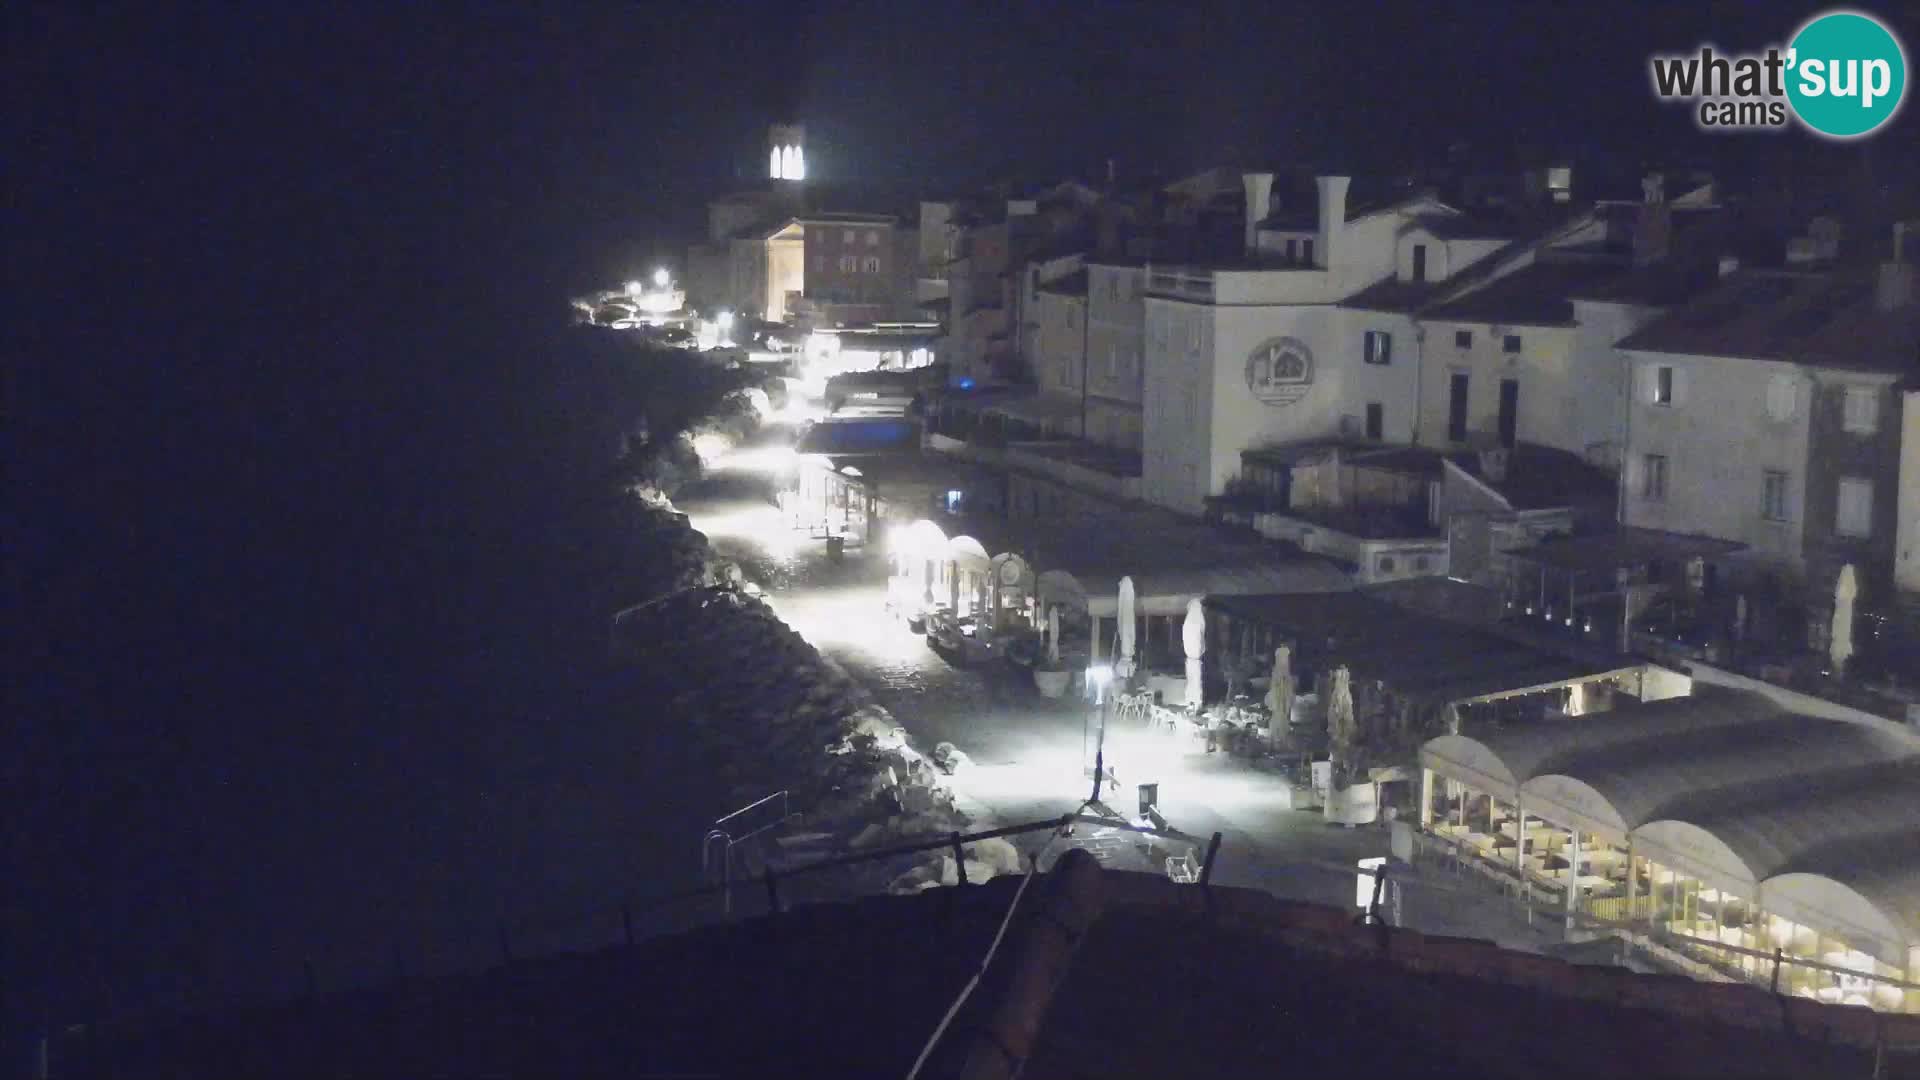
{"x": 769, "y": 712}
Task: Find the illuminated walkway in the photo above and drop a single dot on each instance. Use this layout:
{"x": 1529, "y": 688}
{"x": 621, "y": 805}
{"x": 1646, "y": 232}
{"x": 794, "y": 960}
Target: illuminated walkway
{"x": 1027, "y": 751}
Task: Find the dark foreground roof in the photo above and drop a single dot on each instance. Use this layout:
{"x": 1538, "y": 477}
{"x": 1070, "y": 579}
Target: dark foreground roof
{"x": 1130, "y": 975}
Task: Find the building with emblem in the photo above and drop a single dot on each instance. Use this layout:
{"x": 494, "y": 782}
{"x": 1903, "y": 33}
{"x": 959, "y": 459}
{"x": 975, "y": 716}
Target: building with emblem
{"x": 1254, "y": 349}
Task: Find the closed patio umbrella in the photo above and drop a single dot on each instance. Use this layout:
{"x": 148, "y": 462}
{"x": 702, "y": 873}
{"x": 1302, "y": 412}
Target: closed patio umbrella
{"x": 1124, "y": 615}
{"x": 1280, "y": 695}
{"x": 1194, "y": 636}
{"x": 1840, "y": 636}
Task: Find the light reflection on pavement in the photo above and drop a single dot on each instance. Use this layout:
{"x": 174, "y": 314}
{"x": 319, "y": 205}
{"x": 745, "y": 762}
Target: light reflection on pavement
{"x": 1030, "y": 756}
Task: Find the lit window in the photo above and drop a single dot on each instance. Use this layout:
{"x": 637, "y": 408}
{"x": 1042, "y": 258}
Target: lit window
{"x": 848, "y": 263}
{"x": 1773, "y": 495}
{"x": 1653, "y": 478}
{"x": 1862, "y": 415}
{"x": 873, "y": 237}
{"x": 872, "y": 265}
{"x": 1854, "y": 514}
{"x": 1378, "y": 347}
{"x": 847, "y": 237}
{"x": 1510, "y": 343}
{"x": 1463, "y": 339}
{"x": 1663, "y": 385}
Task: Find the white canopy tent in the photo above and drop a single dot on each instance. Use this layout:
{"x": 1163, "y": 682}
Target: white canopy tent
{"x": 1816, "y": 820}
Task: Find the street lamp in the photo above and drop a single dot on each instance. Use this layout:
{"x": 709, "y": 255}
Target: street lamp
{"x": 661, "y": 279}
{"x": 634, "y": 289}
{"x": 1098, "y": 677}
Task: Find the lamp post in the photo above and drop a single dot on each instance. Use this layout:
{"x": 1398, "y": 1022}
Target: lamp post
{"x": 1098, "y": 676}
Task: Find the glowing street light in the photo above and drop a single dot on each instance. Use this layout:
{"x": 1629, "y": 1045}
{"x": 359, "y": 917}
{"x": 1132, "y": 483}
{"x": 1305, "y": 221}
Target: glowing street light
{"x": 724, "y": 319}
{"x": 661, "y": 279}
{"x": 1098, "y": 678}
{"x": 634, "y": 289}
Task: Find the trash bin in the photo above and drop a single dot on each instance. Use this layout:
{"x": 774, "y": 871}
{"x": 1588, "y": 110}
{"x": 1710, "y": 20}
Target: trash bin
{"x": 836, "y": 547}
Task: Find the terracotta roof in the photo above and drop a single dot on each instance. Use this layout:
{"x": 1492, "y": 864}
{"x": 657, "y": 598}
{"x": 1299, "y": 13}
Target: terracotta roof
{"x": 1538, "y": 295}
{"x": 1469, "y": 226}
{"x": 1542, "y": 478}
{"x": 1823, "y": 319}
{"x": 1409, "y": 297}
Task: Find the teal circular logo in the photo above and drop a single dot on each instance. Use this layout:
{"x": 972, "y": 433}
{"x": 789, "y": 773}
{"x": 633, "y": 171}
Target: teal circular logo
{"x": 1846, "y": 74}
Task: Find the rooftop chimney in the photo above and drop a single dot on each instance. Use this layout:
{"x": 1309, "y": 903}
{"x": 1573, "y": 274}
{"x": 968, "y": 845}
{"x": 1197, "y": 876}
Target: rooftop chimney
{"x": 1894, "y": 289}
{"x": 1333, "y": 217}
{"x": 1653, "y": 232}
{"x": 1259, "y": 187}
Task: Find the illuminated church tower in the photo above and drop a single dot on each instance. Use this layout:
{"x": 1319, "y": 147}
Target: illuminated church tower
{"x": 786, "y": 152}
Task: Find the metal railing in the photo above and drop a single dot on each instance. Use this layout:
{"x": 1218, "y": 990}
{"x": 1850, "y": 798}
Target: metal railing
{"x": 372, "y": 963}
{"x": 721, "y": 838}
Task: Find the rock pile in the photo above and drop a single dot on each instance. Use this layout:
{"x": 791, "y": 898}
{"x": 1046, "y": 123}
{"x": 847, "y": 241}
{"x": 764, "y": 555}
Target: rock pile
{"x": 771, "y": 713}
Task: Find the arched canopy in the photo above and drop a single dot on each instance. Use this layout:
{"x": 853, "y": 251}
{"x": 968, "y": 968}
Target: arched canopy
{"x": 922, "y": 539}
{"x": 968, "y": 553}
{"x": 1839, "y": 909}
{"x": 1765, "y": 828}
{"x": 1572, "y": 802}
{"x": 1817, "y": 819}
{"x": 1865, "y": 888}
{"x": 1697, "y": 852}
{"x": 1472, "y": 762}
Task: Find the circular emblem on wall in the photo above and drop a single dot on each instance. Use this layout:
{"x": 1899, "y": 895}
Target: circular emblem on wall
{"x": 1280, "y": 371}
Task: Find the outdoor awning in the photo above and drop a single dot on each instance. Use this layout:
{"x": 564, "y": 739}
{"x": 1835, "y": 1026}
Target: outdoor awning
{"x": 1167, "y": 592}
{"x": 1417, "y": 654}
{"x": 1041, "y": 410}
{"x": 1820, "y": 818}
{"x": 1623, "y": 549}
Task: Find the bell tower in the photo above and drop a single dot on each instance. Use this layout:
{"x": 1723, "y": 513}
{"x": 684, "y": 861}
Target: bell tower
{"x": 786, "y": 152}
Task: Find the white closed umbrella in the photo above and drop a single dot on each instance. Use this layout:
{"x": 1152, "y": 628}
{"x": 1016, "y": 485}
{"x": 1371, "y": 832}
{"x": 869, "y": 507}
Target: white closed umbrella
{"x": 1341, "y": 730}
{"x": 1124, "y": 616}
{"x": 1193, "y": 634}
{"x": 1053, "y": 635}
{"x": 1280, "y": 690}
{"x": 1840, "y": 635}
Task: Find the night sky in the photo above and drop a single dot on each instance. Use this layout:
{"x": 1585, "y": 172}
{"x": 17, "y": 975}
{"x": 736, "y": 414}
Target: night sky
{"x": 284, "y": 284}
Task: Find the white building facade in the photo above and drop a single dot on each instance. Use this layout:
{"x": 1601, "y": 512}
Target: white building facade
{"x": 1258, "y": 351}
